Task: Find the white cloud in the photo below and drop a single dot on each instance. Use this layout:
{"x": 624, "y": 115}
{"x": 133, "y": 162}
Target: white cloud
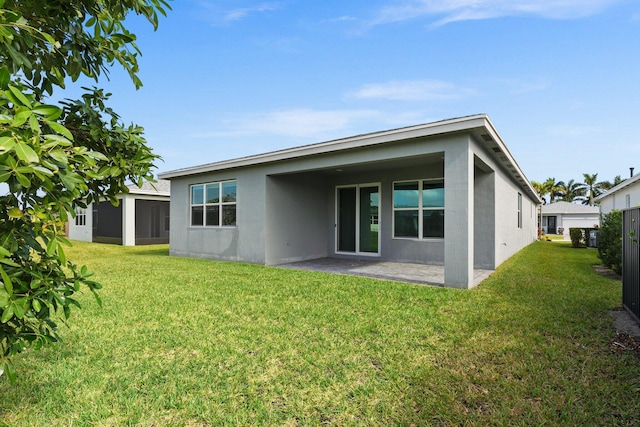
{"x": 296, "y": 123}
{"x": 447, "y": 11}
{"x": 218, "y": 13}
{"x": 238, "y": 14}
{"x": 412, "y": 90}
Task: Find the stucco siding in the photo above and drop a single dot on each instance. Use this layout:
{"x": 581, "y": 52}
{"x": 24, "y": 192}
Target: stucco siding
{"x": 618, "y": 199}
{"x": 287, "y": 208}
{"x": 509, "y": 238}
{"x": 296, "y": 218}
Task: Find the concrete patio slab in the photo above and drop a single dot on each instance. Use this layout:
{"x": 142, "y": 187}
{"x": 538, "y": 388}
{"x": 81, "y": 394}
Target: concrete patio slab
{"x": 401, "y": 272}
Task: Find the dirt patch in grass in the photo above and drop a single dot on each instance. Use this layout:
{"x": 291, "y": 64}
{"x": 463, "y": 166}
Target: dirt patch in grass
{"x": 607, "y": 272}
{"x": 626, "y": 343}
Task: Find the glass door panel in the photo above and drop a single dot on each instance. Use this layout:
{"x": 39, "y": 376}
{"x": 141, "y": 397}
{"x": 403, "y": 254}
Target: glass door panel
{"x": 368, "y": 219}
{"x": 346, "y": 219}
{"x": 358, "y": 219}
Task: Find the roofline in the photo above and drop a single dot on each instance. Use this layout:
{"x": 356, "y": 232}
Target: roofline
{"x": 460, "y": 124}
{"x": 618, "y": 187}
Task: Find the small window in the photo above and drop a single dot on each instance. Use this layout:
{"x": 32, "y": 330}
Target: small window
{"x": 213, "y": 204}
{"x": 81, "y": 217}
{"x": 519, "y": 210}
{"x": 627, "y": 201}
{"x": 418, "y": 209}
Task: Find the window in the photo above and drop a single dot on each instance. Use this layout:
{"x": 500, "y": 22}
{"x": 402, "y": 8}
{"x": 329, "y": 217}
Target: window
{"x": 418, "y": 209}
{"x": 627, "y": 200}
{"x": 81, "y": 217}
{"x": 213, "y": 204}
{"x": 520, "y": 210}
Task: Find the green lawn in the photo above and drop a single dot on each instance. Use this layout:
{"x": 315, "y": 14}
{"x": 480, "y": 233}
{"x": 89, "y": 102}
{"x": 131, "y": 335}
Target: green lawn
{"x": 187, "y": 342}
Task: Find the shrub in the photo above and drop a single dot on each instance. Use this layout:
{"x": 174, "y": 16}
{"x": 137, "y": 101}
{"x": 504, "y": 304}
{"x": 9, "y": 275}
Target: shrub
{"x": 577, "y": 237}
{"x": 610, "y": 241}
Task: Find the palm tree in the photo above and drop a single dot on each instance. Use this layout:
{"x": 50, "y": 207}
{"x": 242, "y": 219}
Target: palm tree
{"x": 592, "y": 188}
{"x": 571, "y": 191}
{"x": 553, "y": 188}
{"x": 541, "y": 189}
{"x": 608, "y": 185}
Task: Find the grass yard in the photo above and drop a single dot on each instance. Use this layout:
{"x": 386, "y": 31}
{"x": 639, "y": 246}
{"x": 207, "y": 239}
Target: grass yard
{"x": 188, "y": 342}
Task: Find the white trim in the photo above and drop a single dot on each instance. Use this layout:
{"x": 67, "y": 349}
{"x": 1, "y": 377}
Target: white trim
{"x": 357, "y": 251}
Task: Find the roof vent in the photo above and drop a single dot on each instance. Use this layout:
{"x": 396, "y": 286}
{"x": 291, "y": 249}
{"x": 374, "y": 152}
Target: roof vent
{"x": 486, "y": 137}
{"x": 631, "y": 172}
{"x": 496, "y": 149}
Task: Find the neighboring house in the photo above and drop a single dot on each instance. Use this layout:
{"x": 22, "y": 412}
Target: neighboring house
{"x": 622, "y": 196}
{"x": 446, "y": 193}
{"x": 141, "y": 218}
{"x": 567, "y": 215}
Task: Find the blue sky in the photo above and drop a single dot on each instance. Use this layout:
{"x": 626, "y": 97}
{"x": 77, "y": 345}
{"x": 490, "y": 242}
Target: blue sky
{"x": 560, "y": 79}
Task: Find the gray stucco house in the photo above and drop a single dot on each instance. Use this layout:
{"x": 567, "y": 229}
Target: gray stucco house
{"x": 445, "y": 193}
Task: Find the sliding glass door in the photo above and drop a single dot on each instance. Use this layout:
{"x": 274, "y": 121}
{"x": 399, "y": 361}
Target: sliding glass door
{"x": 357, "y": 219}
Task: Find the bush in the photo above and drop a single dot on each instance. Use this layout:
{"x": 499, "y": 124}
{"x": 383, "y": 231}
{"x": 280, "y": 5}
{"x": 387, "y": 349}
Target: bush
{"x": 577, "y": 237}
{"x": 610, "y": 241}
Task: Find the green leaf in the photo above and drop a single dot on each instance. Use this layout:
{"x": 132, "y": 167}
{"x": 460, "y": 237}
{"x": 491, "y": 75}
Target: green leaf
{"x": 59, "y": 140}
{"x": 4, "y": 298}
{"x": 51, "y": 112}
{"x": 8, "y": 285}
{"x": 4, "y": 176}
{"x": 21, "y": 117}
{"x": 26, "y": 153}
{"x": 35, "y": 304}
{"x": 51, "y": 247}
{"x": 5, "y": 77}
{"x": 57, "y": 127}
{"x": 23, "y": 180}
{"x": 7, "y": 313}
{"x": 20, "y": 96}
{"x": 6, "y": 143}
{"x": 8, "y": 368}
{"x": 59, "y": 156}
{"x": 34, "y": 124}
{"x": 61, "y": 255}
{"x": 18, "y": 311}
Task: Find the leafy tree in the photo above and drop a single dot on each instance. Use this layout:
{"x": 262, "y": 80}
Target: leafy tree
{"x": 57, "y": 157}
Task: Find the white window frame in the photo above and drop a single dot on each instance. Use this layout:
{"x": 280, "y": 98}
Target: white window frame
{"x": 421, "y": 209}
{"x": 220, "y": 203}
{"x": 81, "y": 217}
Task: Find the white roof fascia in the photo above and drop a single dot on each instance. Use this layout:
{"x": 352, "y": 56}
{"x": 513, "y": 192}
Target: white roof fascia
{"x": 625, "y": 183}
{"x": 468, "y": 123}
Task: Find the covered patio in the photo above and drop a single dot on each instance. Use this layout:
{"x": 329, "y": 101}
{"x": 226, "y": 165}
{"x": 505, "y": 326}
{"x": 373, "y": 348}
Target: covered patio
{"x": 398, "y": 271}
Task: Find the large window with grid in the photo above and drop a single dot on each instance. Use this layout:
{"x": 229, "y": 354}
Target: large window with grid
{"x": 213, "y": 204}
{"x": 418, "y": 209}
